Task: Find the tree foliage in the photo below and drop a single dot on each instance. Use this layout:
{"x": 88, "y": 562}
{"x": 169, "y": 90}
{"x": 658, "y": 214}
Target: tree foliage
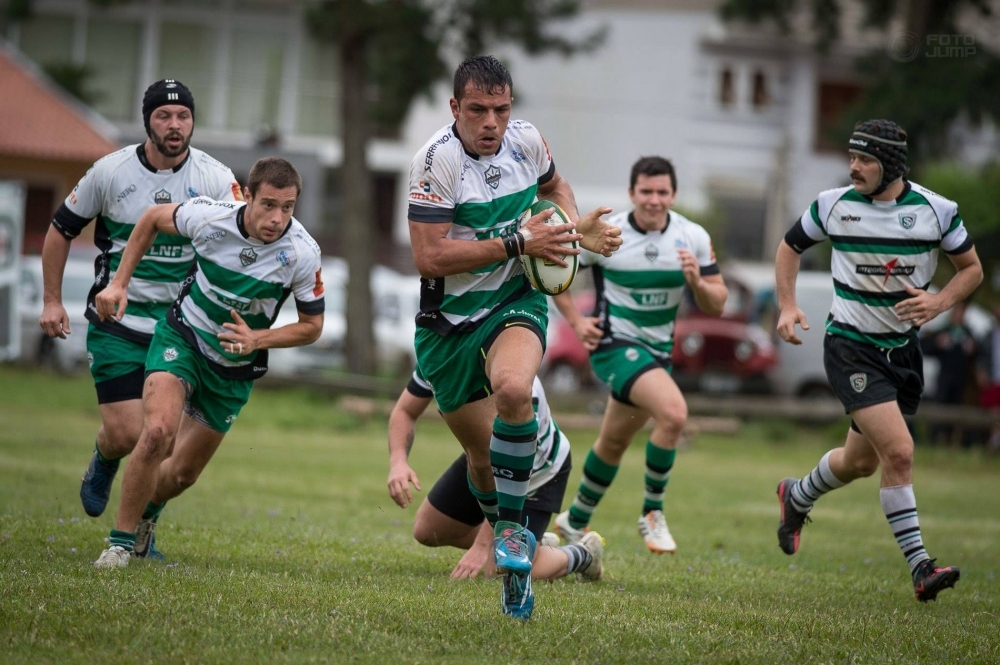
{"x": 391, "y": 52}
{"x": 912, "y": 80}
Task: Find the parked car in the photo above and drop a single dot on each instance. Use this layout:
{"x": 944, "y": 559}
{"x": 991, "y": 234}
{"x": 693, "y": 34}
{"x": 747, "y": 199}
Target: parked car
{"x": 65, "y": 355}
{"x": 396, "y": 300}
{"x": 712, "y": 354}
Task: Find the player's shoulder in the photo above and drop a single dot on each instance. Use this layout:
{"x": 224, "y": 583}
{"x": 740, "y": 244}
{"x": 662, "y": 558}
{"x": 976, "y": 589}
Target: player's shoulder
{"x": 686, "y": 223}
{"x": 831, "y": 196}
{"x": 304, "y": 242}
{"x": 932, "y": 197}
{"x": 110, "y": 163}
{"x": 203, "y": 161}
{"x": 443, "y": 145}
{"x": 521, "y": 128}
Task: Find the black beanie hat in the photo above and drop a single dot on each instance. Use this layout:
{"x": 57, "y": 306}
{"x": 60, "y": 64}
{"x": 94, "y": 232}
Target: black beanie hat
{"x": 886, "y": 142}
{"x": 164, "y": 93}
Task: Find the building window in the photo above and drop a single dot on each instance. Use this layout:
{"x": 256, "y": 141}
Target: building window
{"x": 187, "y": 53}
{"x": 113, "y": 56}
{"x": 255, "y": 80}
{"x": 727, "y": 94}
{"x": 761, "y": 98}
{"x": 834, "y": 100}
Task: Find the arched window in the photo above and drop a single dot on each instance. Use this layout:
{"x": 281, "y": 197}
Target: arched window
{"x": 727, "y": 93}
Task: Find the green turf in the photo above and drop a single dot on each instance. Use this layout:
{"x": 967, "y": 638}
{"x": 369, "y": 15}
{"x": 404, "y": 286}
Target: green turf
{"x": 289, "y": 550}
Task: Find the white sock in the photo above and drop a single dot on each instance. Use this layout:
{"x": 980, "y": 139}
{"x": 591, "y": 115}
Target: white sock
{"x": 811, "y": 487}
{"x": 900, "y": 508}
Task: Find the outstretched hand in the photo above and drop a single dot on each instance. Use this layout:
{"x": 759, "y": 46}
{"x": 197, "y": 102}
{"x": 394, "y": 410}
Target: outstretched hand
{"x": 599, "y": 236}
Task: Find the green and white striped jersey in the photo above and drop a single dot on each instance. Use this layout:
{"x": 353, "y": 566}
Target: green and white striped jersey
{"x": 879, "y": 248}
{"x": 481, "y": 197}
{"x": 117, "y": 190}
{"x": 237, "y": 272}
{"x": 639, "y": 287}
{"x": 553, "y": 446}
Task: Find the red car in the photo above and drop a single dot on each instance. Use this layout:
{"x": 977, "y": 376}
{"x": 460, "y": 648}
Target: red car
{"x": 712, "y": 354}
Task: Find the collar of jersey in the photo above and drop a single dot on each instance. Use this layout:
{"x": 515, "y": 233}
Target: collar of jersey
{"x": 897, "y": 201}
{"x": 140, "y": 151}
{"x": 454, "y": 130}
{"x": 246, "y": 236}
{"x": 632, "y": 223}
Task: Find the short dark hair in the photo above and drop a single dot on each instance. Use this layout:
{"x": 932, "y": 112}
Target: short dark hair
{"x": 486, "y": 73}
{"x": 275, "y": 171}
{"x": 652, "y": 166}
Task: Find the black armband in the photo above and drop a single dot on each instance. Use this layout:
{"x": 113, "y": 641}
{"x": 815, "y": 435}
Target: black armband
{"x": 797, "y": 239}
{"x": 513, "y": 244}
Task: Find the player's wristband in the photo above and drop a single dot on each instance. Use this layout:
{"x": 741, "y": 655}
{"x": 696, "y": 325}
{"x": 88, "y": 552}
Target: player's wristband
{"x": 510, "y": 246}
{"x": 520, "y": 242}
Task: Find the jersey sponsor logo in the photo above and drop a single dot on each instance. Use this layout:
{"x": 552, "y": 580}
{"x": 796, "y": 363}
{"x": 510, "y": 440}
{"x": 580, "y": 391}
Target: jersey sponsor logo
{"x": 170, "y": 354}
{"x": 283, "y": 258}
{"x": 548, "y": 154}
{"x": 239, "y": 305}
{"x": 160, "y": 197}
{"x": 631, "y": 355}
{"x": 425, "y": 193}
{"x": 248, "y": 257}
{"x": 318, "y": 285}
{"x": 237, "y": 192}
{"x": 891, "y": 268}
{"x": 651, "y": 299}
{"x": 492, "y": 176}
{"x": 223, "y": 204}
{"x": 122, "y": 195}
{"x": 429, "y": 157}
{"x": 166, "y": 251}
{"x": 860, "y": 142}
{"x": 201, "y": 202}
{"x": 518, "y": 155}
{"x": 232, "y": 418}
{"x": 504, "y": 473}
{"x": 193, "y": 193}
{"x": 215, "y": 235}
{"x": 859, "y": 382}
{"x": 850, "y": 218}
{"x": 652, "y": 252}
{"x": 907, "y": 220}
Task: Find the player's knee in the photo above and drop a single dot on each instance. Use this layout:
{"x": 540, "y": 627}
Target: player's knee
{"x": 899, "y": 460}
{"x": 511, "y": 394}
{"x": 157, "y": 436}
{"x": 120, "y": 440}
{"x": 185, "y": 478}
{"x": 864, "y": 467}
{"x": 672, "y": 418}
{"x": 424, "y": 535}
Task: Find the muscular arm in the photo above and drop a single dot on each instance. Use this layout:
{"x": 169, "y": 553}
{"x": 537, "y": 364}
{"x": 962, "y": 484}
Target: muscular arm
{"x": 55, "y": 251}
{"x": 710, "y": 293}
{"x": 436, "y": 255}
{"x": 402, "y": 426}
{"x": 558, "y": 191}
{"x": 156, "y": 218}
{"x": 924, "y": 306}
{"x": 786, "y": 270}
{"x": 587, "y": 328}
{"x": 304, "y": 331}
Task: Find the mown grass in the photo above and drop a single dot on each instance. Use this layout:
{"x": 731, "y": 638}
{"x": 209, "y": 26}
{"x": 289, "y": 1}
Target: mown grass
{"x": 289, "y": 550}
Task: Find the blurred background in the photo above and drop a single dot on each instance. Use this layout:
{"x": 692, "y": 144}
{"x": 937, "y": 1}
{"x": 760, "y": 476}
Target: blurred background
{"x": 751, "y": 101}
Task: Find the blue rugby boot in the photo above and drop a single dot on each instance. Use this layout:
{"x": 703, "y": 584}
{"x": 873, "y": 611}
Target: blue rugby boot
{"x": 96, "y": 487}
{"x": 513, "y": 548}
{"x": 517, "y": 597}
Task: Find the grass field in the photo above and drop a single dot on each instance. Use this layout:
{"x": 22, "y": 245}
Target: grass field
{"x": 289, "y": 550}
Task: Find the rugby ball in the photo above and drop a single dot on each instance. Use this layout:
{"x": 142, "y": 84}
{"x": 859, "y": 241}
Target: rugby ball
{"x": 547, "y": 276}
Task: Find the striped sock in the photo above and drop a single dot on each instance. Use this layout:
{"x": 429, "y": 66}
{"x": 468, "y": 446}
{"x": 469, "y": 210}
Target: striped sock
{"x": 122, "y": 539}
{"x": 487, "y": 502}
{"x": 659, "y": 462}
{"x": 512, "y": 453}
{"x": 900, "y": 508}
{"x": 153, "y": 511}
{"x": 810, "y": 488}
{"x": 579, "y": 558}
{"x": 597, "y": 477}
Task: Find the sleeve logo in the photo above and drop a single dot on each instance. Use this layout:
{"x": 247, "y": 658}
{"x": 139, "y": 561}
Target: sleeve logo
{"x": 318, "y": 286}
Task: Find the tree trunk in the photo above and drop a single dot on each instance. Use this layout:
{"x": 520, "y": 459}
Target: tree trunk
{"x": 358, "y": 223}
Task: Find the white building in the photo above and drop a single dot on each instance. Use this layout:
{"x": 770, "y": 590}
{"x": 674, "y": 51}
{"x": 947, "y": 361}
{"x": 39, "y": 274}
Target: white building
{"x": 740, "y": 113}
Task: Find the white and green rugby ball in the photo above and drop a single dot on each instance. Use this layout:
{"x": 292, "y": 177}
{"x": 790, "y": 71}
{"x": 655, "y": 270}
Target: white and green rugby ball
{"x": 547, "y": 276}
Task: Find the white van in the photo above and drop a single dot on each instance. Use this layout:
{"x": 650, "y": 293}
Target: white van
{"x": 800, "y": 371}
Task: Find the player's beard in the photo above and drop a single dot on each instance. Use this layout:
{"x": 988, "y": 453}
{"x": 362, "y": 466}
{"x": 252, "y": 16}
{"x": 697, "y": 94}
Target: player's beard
{"x": 161, "y": 143}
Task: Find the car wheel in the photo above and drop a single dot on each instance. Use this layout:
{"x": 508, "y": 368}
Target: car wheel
{"x": 563, "y": 378}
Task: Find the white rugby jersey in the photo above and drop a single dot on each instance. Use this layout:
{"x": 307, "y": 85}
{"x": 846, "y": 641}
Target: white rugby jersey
{"x": 235, "y": 271}
{"x": 481, "y": 197}
{"x": 117, "y": 190}
{"x": 553, "y": 446}
{"x": 879, "y": 248}
{"x": 640, "y": 287}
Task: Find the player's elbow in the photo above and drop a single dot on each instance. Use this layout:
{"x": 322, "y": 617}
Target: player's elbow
{"x": 428, "y": 265}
